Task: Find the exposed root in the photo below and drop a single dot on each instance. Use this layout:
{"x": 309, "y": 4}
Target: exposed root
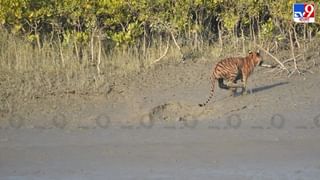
{"x": 163, "y": 55}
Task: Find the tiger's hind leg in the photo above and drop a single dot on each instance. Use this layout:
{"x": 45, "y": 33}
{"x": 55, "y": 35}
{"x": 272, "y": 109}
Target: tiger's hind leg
{"x": 227, "y": 87}
{"x": 233, "y": 87}
{"x": 221, "y": 85}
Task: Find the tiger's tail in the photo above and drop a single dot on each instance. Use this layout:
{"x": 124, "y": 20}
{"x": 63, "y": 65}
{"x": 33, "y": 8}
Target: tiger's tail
{"x": 213, "y": 80}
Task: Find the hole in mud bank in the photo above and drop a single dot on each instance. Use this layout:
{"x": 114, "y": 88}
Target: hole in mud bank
{"x": 175, "y": 111}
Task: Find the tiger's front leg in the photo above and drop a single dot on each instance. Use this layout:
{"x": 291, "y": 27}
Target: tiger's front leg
{"x": 233, "y": 87}
{"x": 244, "y": 87}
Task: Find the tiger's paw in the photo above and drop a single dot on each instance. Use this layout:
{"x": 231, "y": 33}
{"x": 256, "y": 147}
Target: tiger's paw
{"x": 244, "y": 93}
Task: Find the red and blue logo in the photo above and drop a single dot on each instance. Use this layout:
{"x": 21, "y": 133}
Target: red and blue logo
{"x": 304, "y": 12}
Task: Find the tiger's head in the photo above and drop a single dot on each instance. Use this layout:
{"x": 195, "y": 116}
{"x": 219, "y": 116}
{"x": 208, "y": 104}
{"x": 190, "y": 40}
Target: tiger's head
{"x": 255, "y": 57}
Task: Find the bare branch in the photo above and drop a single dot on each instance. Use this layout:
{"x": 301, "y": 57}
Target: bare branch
{"x": 177, "y": 45}
{"x": 292, "y": 53}
{"x": 291, "y": 59}
{"x": 164, "y": 54}
{"x": 273, "y": 57}
{"x": 267, "y": 65}
{"x": 174, "y": 40}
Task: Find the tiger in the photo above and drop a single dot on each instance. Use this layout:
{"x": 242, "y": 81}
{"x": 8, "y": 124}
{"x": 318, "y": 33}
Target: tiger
{"x": 231, "y": 70}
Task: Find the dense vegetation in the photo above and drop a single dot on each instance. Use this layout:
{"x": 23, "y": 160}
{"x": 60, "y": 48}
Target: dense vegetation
{"x": 122, "y": 22}
{"x": 69, "y": 37}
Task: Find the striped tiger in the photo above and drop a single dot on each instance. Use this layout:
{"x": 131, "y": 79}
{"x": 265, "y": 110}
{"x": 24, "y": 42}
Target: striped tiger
{"x": 231, "y": 70}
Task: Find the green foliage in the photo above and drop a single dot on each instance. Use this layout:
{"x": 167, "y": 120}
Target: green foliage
{"x": 125, "y": 22}
{"x": 267, "y": 29}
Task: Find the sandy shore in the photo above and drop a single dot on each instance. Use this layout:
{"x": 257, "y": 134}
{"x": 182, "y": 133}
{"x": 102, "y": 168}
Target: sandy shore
{"x": 150, "y": 127}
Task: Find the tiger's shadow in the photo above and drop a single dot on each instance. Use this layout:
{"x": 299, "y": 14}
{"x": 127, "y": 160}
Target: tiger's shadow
{"x": 263, "y": 88}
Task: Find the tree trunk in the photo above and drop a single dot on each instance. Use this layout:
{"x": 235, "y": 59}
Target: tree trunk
{"x": 295, "y": 36}
{"x": 292, "y": 51}
{"x": 243, "y": 41}
{"x": 259, "y": 31}
{"x": 144, "y": 41}
{"x": 99, "y": 54}
{"x": 253, "y": 32}
{"x": 220, "y": 35}
{"x": 92, "y": 45}
{"x": 38, "y": 40}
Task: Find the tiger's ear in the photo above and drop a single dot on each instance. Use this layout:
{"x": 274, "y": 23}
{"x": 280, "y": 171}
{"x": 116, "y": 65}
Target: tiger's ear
{"x": 258, "y": 51}
{"x": 250, "y": 52}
